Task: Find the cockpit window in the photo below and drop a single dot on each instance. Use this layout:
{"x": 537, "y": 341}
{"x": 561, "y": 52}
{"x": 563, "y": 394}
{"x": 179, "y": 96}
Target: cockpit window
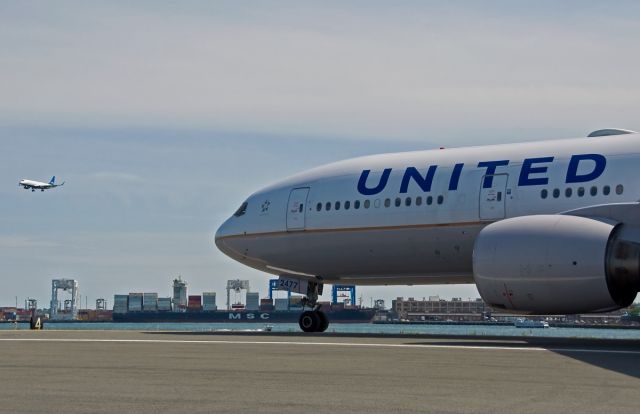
{"x": 241, "y": 210}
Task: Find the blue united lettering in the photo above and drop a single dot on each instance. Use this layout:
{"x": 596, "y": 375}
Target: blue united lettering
{"x": 581, "y": 168}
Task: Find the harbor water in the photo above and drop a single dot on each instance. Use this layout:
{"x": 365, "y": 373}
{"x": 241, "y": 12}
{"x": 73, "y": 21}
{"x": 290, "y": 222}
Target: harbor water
{"x": 358, "y": 328}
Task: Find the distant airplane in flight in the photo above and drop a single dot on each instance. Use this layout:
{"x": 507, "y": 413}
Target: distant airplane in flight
{"x": 37, "y": 185}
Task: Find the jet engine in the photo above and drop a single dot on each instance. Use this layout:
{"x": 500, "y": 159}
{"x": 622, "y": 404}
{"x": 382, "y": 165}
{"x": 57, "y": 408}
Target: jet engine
{"x": 557, "y": 264}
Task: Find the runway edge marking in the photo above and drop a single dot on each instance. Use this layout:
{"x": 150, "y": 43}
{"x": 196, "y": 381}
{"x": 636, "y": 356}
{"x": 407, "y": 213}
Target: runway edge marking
{"x": 336, "y": 344}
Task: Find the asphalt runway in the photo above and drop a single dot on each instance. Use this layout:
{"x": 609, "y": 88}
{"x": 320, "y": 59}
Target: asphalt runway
{"x": 181, "y": 372}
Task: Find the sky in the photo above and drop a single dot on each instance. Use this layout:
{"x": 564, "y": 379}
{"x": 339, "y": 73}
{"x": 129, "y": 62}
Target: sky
{"x": 163, "y": 116}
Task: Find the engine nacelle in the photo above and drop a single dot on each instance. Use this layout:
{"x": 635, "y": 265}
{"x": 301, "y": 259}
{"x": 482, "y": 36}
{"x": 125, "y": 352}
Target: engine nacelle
{"x": 557, "y": 264}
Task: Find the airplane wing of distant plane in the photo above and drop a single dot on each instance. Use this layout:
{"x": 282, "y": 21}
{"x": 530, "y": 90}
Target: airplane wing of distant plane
{"x": 38, "y": 185}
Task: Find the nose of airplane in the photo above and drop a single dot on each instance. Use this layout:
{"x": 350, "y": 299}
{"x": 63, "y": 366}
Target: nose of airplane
{"x": 223, "y": 238}
{"x": 221, "y": 234}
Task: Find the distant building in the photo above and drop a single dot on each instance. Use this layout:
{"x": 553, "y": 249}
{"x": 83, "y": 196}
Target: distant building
{"x": 435, "y": 308}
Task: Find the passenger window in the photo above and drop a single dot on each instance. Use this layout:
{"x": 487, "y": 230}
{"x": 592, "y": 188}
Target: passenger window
{"x": 301, "y": 208}
{"x": 429, "y": 200}
{"x": 318, "y": 206}
{"x": 398, "y": 201}
{"x": 327, "y": 206}
{"x": 619, "y": 189}
{"x": 337, "y": 205}
{"x": 568, "y": 192}
{"x": 356, "y": 204}
{"x": 367, "y": 203}
{"x": 347, "y": 204}
{"x": 606, "y": 190}
{"x": 418, "y": 201}
{"x": 581, "y": 192}
{"x": 556, "y": 193}
{"x": 387, "y": 202}
{"x": 544, "y": 193}
{"x": 407, "y": 201}
{"x": 376, "y": 203}
{"x": 594, "y": 191}
{"x": 440, "y": 199}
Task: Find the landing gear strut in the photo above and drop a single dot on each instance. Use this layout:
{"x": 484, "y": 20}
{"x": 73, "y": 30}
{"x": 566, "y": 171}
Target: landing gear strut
{"x": 314, "y": 320}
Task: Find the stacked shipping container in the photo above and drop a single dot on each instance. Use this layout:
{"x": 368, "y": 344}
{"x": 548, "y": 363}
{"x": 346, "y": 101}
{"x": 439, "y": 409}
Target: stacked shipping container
{"x": 135, "y": 302}
{"x": 120, "y": 303}
{"x": 209, "y": 301}
{"x": 150, "y": 301}
{"x": 195, "y": 303}
{"x": 164, "y": 304}
{"x": 253, "y": 301}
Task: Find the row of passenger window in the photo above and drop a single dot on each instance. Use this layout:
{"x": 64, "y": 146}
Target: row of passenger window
{"x": 407, "y": 201}
{"x": 580, "y": 192}
{"x": 429, "y": 200}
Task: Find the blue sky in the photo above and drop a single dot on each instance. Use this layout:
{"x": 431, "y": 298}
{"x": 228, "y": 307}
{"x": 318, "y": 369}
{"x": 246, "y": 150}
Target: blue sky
{"x": 163, "y": 116}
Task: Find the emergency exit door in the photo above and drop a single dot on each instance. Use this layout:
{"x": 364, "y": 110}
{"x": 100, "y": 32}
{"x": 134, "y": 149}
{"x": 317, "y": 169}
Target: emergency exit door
{"x": 296, "y": 208}
{"x": 493, "y": 199}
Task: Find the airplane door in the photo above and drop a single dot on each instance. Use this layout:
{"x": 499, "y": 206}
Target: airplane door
{"x": 296, "y": 208}
{"x": 492, "y": 200}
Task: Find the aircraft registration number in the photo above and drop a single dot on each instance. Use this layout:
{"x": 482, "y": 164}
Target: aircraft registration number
{"x": 293, "y": 285}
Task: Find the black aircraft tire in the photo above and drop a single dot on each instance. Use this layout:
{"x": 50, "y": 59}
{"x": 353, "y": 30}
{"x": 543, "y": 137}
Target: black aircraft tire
{"x": 309, "y": 321}
{"x": 324, "y": 322}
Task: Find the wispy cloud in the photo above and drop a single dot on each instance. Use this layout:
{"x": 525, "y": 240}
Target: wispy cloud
{"x": 412, "y": 70}
{"x": 22, "y": 242}
{"x": 118, "y": 177}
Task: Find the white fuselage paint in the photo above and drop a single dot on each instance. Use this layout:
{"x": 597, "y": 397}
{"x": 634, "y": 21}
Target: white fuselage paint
{"x": 411, "y": 244}
{"x": 35, "y": 184}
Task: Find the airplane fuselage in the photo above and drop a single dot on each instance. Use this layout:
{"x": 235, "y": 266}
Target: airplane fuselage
{"x": 35, "y": 184}
{"x": 412, "y": 218}
{"x": 38, "y": 185}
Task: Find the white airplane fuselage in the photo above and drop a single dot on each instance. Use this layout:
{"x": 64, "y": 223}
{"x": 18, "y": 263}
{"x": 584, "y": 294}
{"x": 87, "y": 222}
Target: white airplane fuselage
{"x": 34, "y": 184}
{"x": 413, "y": 218}
{"x": 38, "y": 185}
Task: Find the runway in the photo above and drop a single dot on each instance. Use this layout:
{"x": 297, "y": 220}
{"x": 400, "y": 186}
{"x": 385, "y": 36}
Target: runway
{"x": 125, "y": 371}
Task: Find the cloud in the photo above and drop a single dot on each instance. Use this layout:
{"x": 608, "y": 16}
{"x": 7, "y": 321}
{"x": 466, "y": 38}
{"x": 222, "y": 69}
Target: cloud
{"x": 410, "y": 71}
{"x": 26, "y": 243}
{"x": 118, "y": 177}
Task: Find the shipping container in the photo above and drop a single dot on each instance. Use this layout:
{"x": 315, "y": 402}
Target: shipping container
{"x": 164, "y": 304}
{"x": 337, "y": 306}
{"x": 209, "y": 301}
{"x": 10, "y": 316}
{"x": 120, "y": 303}
{"x": 253, "y": 301}
{"x": 282, "y": 304}
{"x": 150, "y": 301}
{"x": 195, "y": 303}
{"x": 135, "y": 302}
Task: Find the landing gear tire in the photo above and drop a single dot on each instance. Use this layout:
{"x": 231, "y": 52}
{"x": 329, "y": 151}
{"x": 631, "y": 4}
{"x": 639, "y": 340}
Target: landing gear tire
{"x": 324, "y": 322}
{"x": 313, "y": 321}
{"x": 309, "y": 321}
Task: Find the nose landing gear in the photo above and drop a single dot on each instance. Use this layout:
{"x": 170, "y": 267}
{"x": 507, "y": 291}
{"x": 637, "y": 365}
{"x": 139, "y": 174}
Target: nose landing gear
{"x": 313, "y": 320}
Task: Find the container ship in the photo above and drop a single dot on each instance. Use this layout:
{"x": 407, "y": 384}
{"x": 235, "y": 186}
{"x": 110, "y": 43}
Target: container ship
{"x": 149, "y": 308}
{"x": 356, "y": 315}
